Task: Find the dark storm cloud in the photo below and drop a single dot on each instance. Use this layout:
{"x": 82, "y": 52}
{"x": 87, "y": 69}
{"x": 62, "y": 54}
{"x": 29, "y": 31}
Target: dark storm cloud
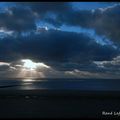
{"x": 21, "y": 18}
{"x": 17, "y": 19}
{"x": 46, "y": 7}
{"x": 61, "y": 46}
{"x": 56, "y": 48}
{"x": 109, "y": 24}
{"x": 7, "y": 49}
{"x": 105, "y": 20}
{"x": 76, "y": 18}
{"x": 44, "y": 10}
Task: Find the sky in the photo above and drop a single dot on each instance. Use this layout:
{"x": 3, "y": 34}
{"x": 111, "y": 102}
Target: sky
{"x": 60, "y": 39}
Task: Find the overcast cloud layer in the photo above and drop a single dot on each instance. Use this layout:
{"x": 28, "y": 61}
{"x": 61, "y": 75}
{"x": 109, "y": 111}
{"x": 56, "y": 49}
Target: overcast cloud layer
{"x": 68, "y": 53}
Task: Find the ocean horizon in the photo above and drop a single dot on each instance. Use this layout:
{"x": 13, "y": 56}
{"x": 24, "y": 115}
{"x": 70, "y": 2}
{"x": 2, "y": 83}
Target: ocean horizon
{"x": 60, "y": 84}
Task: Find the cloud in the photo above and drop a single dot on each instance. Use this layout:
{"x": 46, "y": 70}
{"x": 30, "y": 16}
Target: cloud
{"x": 53, "y": 47}
{"x": 17, "y": 19}
{"x": 4, "y": 63}
{"x": 67, "y": 53}
{"x": 23, "y": 17}
{"x": 4, "y": 66}
{"x": 83, "y": 74}
{"x": 111, "y": 67}
{"x": 47, "y": 11}
{"x": 115, "y": 62}
{"x": 22, "y": 69}
{"x": 104, "y": 20}
{"x": 108, "y": 24}
{"x": 46, "y": 7}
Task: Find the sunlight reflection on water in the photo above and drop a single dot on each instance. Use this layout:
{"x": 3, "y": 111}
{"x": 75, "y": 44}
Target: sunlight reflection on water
{"x": 61, "y": 84}
{"x": 28, "y": 80}
{"x": 30, "y": 84}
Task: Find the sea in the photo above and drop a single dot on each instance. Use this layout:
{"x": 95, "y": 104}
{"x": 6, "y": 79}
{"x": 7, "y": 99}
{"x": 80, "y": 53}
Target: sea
{"x": 60, "y": 84}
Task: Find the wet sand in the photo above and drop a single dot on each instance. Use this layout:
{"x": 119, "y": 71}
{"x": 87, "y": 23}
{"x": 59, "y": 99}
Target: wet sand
{"x": 58, "y": 104}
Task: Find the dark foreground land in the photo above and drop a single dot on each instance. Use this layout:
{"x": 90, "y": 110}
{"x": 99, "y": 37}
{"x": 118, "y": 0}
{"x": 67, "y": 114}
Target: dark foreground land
{"x": 58, "y": 104}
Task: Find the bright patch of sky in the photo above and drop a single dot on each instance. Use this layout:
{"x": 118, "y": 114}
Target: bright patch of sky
{"x": 91, "y": 5}
{"x": 4, "y": 5}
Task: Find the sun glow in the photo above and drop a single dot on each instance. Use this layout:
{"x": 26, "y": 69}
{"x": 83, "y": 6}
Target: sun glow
{"x": 28, "y": 69}
{"x": 30, "y": 65}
